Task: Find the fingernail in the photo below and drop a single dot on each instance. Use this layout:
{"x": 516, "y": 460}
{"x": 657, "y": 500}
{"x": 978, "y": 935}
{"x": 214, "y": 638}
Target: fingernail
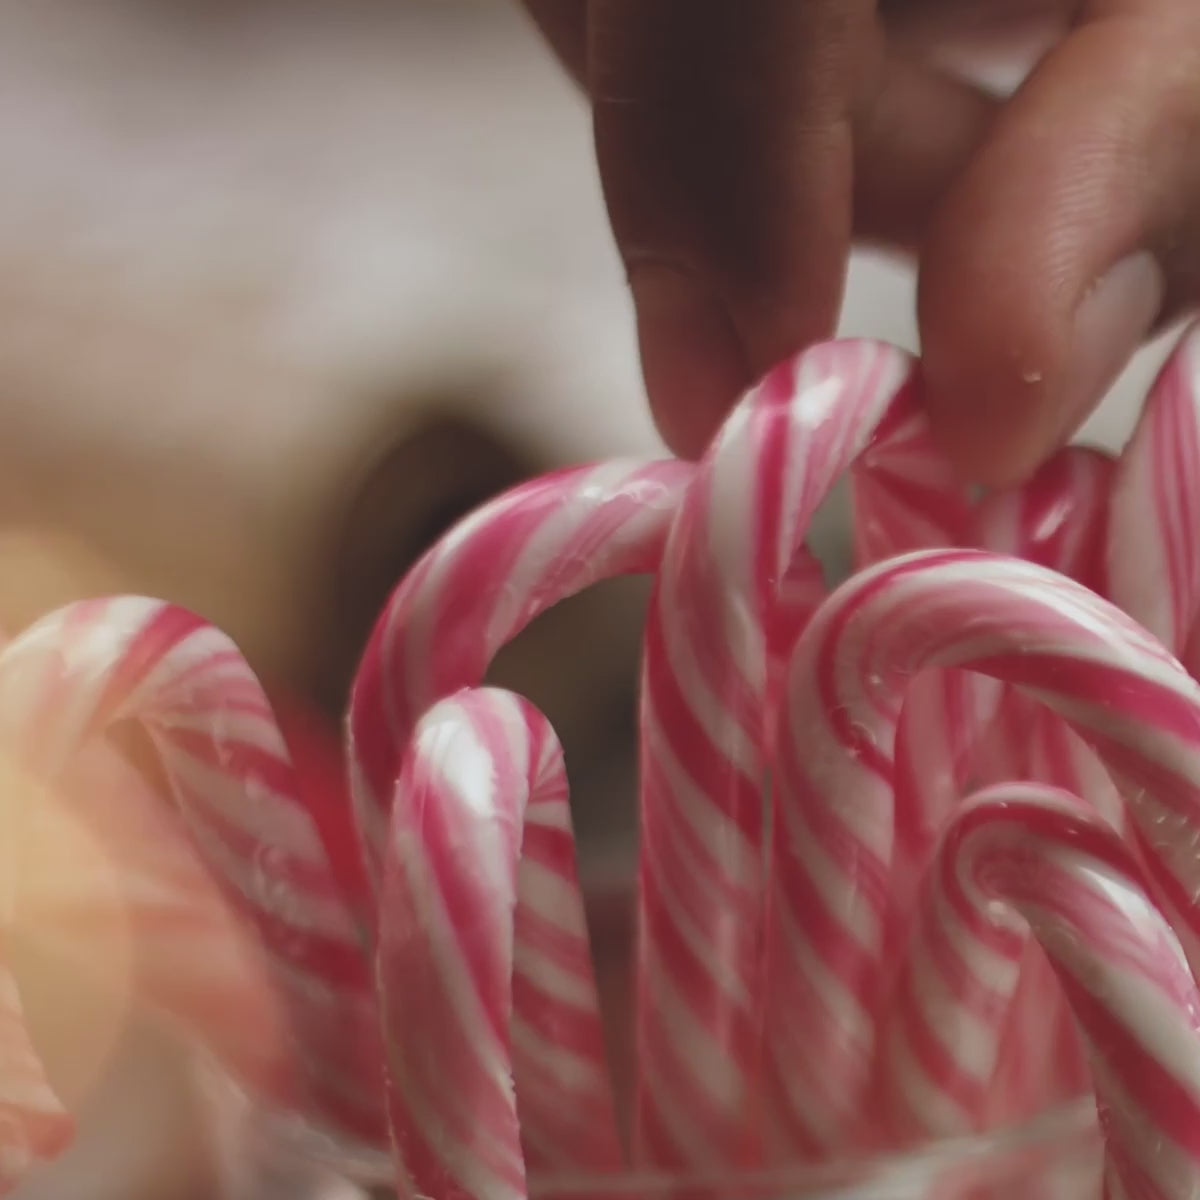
{"x": 692, "y": 360}
{"x": 1111, "y": 322}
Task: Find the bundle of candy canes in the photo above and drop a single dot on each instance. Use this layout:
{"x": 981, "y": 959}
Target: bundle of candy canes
{"x": 919, "y": 856}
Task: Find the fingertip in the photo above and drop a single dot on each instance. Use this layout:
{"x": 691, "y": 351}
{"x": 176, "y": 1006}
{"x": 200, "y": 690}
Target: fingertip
{"x": 1036, "y": 287}
{"x": 692, "y": 361}
{"x": 988, "y": 364}
{"x": 1010, "y": 380}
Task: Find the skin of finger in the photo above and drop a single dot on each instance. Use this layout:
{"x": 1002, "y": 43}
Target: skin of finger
{"x": 913, "y": 128}
{"x": 1094, "y": 158}
{"x": 914, "y": 136}
{"x": 991, "y": 18}
{"x": 740, "y": 147}
{"x": 692, "y": 361}
{"x": 724, "y": 139}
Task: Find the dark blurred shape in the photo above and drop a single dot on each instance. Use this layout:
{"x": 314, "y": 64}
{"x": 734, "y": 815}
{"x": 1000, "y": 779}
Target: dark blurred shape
{"x": 445, "y": 467}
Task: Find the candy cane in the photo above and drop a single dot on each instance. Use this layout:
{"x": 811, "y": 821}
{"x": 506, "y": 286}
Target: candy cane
{"x": 1019, "y": 623}
{"x": 95, "y": 664}
{"x": 1022, "y": 856}
{"x": 905, "y": 494}
{"x": 493, "y": 1029}
{"x": 957, "y": 729}
{"x": 1058, "y": 518}
{"x": 1154, "y": 538}
{"x": 479, "y": 587}
{"x": 721, "y": 612}
{"x": 111, "y": 883}
{"x": 906, "y": 497}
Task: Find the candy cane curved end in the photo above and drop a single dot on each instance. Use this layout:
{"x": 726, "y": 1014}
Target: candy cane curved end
{"x": 479, "y": 586}
{"x": 1053, "y": 640}
{"x": 1046, "y": 856}
{"x": 92, "y": 664}
{"x": 495, "y": 1047}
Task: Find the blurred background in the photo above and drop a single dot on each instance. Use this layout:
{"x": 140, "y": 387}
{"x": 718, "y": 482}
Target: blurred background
{"x": 285, "y": 287}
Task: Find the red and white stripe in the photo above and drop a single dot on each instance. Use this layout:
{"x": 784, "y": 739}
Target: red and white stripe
{"x": 111, "y": 885}
{"x": 494, "y": 1040}
{"x": 723, "y": 611}
{"x": 1029, "y": 627}
{"x": 478, "y": 587}
{"x": 1023, "y": 856}
{"x": 1154, "y": 524}
{"x": 34, "y": 1125}
{"x": 957, "y": 729}
{"x": 1058, "y": 518}
{"x": 705, "y": 683}
{"x": 905, "y": 495}
{"x": 96, "y": 664}
{"x": 936, "y": 737}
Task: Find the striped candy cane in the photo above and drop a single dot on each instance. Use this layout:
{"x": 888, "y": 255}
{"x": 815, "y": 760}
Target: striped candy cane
{"x": 905, "y": 495}
{"x": 956, "y": 729}
{"x": 1020, "y": 857}
{"x": 1116, "y": 686}
{"x": 723, "y": 610}
{"x": 111, "y": 884}
{"x": 1059, "y": 518}
{"x": 1154, "y": 535}
{"x": 494, "y": 1041}
{"x": 94, "y": 665}
{"x": 479, "y": 587}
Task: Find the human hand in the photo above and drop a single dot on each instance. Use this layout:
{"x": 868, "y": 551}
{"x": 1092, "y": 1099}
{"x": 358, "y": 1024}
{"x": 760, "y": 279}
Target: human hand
{"x": 744, "y": 144}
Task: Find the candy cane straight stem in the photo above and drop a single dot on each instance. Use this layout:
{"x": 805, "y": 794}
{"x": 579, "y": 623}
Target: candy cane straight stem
{"x": 495, "y": 1045}
{"x": 906, "y": 497}
{"x": 94, "y": 664}
{"x": 715, "y": 617}
{"x": 1019, "y": 623}
{"x": 1020, "y": 855}
{"x": 478, "y": 587}
{"x": 1154, "y": 532}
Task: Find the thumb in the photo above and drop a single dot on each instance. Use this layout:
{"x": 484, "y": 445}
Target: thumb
{"x": 1075, "y": 227}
